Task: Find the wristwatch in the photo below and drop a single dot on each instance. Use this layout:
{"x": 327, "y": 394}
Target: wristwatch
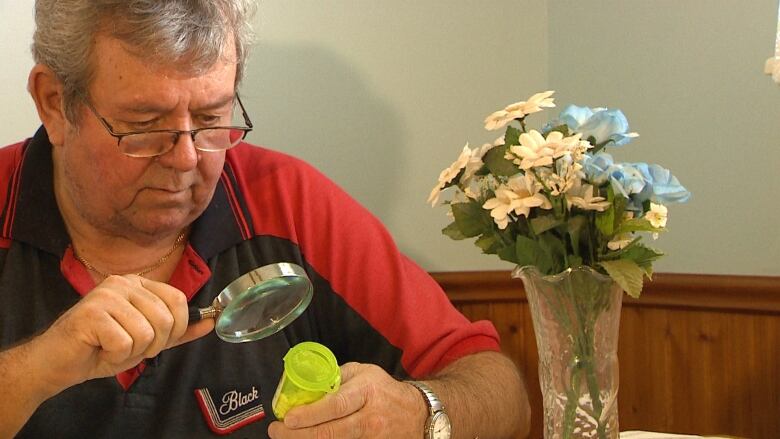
{"x": 438, "y": 425}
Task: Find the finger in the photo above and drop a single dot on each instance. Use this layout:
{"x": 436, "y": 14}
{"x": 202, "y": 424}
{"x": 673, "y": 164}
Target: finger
{"x": 115, "y": 344}
{"x": 349, "y": 370}
{"x": 132, "y": 320}
{"x": 351, "y": 427}
{"x": 176, "y": 302}
{"x": 158, "y": 316}
{"x": 112, "y": 296}
{"x": 348, "y": 400}
{"x": 193, "y": 332}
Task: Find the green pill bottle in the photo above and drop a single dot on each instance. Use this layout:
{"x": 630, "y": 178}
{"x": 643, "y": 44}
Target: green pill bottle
{"x": 310, "y": 372}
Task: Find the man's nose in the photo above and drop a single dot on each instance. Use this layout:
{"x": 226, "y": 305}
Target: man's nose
{"x": 183, "y": 156}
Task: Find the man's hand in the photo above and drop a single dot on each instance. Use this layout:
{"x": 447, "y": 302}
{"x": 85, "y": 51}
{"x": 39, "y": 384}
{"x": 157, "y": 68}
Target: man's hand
{"x": 483, "y": 393}
{"x": 369, "y": 404}
{"x": 122, "y": 321}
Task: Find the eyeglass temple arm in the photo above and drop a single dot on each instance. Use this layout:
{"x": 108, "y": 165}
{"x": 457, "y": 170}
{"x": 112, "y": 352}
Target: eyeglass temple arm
{"x": 244, "y": 113}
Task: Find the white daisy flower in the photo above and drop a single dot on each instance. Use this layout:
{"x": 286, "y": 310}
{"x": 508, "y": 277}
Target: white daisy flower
{"x": 446, "y": 175}
{"x": 568, "y": 174}
{"x": 583, "y": 198}
{"x": 533, "y": 150}
{"x": 535, "y": 103}
{"x": 657, "y": 215}
{"x": 518, "y": 196}
{"x": 498, "y": 120}
{"x": 475, "y": 162}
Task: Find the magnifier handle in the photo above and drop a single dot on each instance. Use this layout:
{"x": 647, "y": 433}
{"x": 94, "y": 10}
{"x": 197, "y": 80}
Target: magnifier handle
{"x": 195, "y": 314}
{"x": 198, "y": 314}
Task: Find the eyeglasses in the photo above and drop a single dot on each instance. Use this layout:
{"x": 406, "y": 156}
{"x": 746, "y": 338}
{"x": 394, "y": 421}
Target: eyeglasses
{"x": 152, "y": 143}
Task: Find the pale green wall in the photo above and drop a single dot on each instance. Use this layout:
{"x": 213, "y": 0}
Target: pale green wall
{"x": 19, "y": 119}
{"x": 381, "y": 95}
{"x": 689, "y": 76}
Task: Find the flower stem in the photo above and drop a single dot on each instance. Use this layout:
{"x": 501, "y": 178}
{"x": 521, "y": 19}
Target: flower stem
{"x": 584, "y": 349}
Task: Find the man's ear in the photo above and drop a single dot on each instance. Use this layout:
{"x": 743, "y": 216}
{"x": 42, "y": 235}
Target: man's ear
{"x": 47, "y": 92}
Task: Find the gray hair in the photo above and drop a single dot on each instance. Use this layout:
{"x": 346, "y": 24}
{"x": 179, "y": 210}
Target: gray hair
{"x": 195, "y": 32}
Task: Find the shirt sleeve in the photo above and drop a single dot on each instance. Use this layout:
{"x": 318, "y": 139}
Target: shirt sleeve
{"x": 354, "y": 252}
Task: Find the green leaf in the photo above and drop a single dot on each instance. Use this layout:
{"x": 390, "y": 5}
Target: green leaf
{"x": 497, "y": 164}
{"x": 636, "y": 225}
{"x": 627, "y": 274}
{"x": 648, "y": 271}
{"x": 509, "y": 254}
{"x": 512, "y": 136}
{"x": 488, "y": 243}
{"x": 605, "y": 221}
{"x": 526, "y": 250}
{"x": 641, "y": 255}
{"x": 617, "y": 254}
{"x": 619, "y": 203}
{"x": 543, "y": 223}
{"x": 563, "y": 129}
{"x": 471, "y": 219}
{"x": 453, "y": 232}
{"x": 554, "y": 251}
{"x": 529, "y": 252}
{"x": 575, "y": 226}
{"x": 483, "y": 170}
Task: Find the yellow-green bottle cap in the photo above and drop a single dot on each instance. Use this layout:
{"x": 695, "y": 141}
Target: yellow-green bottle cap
{"x": 313, "y": 367}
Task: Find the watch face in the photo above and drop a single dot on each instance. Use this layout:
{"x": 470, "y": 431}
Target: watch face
{"x": 440, "y": 426}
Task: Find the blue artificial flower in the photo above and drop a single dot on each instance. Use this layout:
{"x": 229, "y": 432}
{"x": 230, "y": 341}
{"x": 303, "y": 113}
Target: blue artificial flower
{"x": 597, "y": 167}
{"x": 607, "y": 125}
{"x": 624, "y": 178}
{"x": 574, "y": 116}
{"x": 600, "y": 123}
{"x": 660, "y": 185}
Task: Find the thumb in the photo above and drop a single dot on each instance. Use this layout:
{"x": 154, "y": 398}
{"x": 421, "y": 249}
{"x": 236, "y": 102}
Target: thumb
{"x": 349, "y": 370}
{"x": 195, "y": 331}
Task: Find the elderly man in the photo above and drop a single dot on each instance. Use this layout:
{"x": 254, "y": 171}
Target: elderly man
{"x": 137, "y": 198}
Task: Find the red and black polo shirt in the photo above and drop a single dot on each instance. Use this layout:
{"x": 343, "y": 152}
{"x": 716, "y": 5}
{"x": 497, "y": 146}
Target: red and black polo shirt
{"x": 371, "y": 304}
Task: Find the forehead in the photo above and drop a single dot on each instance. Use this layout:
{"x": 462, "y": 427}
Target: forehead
{"x": 124, "y": 76}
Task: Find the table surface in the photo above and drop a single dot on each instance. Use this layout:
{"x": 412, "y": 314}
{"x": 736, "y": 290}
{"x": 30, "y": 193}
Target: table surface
{"x": 635, "y": 434}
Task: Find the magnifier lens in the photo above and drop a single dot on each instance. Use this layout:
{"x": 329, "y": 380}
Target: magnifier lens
{"x": 264, "y": 309}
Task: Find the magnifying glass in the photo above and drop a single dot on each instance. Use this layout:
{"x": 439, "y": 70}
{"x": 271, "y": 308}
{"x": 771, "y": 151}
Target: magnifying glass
{"x": 259, "y": 303}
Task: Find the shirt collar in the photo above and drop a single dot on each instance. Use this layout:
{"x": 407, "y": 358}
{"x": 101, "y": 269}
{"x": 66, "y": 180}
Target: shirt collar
{"x": 38, "y": 220}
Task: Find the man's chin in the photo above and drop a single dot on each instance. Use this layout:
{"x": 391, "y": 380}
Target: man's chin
{"x": 157, "y": 227}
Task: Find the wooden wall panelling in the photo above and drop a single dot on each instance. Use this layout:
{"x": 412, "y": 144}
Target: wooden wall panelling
{"x": 698, "y": 353}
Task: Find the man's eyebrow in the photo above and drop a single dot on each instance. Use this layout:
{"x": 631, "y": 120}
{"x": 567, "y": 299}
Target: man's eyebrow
{"x": 220, "y": 103}
{"x": 146, "y": 108}
{"x": 151, "y": 108}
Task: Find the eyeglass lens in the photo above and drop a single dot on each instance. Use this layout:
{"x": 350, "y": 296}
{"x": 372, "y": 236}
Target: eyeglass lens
{"x": 149, "y": 144}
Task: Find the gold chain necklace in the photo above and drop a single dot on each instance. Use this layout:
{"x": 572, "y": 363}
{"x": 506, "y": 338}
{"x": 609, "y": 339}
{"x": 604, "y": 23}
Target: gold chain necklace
{"x": 147, "y": 270}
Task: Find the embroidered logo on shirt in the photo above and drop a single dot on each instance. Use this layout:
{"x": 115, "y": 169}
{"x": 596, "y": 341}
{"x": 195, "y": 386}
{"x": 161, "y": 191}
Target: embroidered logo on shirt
{"x": 227, "y": 411}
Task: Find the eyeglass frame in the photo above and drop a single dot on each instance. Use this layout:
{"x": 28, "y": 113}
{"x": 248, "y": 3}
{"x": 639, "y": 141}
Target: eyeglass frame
{"x": 192, "y": 133}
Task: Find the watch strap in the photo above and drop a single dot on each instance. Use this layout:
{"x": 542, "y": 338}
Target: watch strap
{"x": 431, "y": 399}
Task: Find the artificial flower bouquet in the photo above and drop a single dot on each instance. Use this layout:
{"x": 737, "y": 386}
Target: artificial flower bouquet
{"x": 555, "y": 199}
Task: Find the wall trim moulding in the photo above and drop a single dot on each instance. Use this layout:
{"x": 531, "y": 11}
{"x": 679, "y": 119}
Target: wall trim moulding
{"x": 754, "y": 294}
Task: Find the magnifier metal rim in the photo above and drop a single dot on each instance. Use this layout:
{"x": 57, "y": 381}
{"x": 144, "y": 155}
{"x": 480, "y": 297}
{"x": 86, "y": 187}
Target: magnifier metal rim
{"x": 254, "y": 279}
